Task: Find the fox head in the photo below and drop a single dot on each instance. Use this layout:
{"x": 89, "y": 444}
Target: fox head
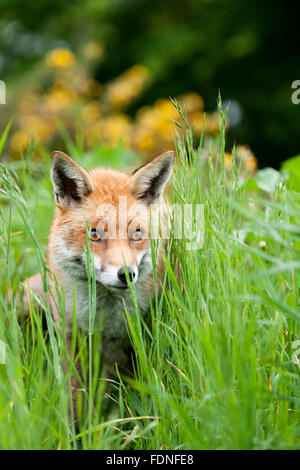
{"x": 115, "y": 210}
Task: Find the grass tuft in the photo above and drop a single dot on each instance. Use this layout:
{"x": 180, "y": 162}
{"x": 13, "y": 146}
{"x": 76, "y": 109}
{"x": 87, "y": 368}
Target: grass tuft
{"x": 216, "y": 366}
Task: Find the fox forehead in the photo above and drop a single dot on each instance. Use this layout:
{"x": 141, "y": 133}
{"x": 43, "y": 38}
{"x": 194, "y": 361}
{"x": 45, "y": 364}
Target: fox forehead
{"x": 109, "y": 186}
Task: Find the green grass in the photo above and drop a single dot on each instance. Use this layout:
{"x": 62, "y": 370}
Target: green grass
{"x": 214, "y": 367}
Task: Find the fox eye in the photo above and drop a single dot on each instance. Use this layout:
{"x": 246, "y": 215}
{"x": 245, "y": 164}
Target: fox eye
{"x": 97, "y": 236}
{"x": 136, "y": 236}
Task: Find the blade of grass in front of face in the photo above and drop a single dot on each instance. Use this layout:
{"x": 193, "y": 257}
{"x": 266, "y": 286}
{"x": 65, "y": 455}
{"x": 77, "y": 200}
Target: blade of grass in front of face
{"x": 90, "y": 268}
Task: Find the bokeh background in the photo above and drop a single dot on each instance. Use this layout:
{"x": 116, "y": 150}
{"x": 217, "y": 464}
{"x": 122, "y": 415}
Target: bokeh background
{"x": 102, "y": 71}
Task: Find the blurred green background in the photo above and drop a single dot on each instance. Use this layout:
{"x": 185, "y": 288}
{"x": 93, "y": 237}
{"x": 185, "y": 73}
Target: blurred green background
{"x": 108, "y": 67}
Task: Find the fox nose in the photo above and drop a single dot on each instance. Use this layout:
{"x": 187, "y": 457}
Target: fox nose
{"x": 122, "y": 275}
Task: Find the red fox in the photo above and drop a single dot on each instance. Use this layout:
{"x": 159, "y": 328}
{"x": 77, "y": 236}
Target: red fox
{"x": 92, "y": 199}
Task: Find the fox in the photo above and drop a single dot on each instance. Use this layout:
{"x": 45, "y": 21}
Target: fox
{"x": 88, "y": 202}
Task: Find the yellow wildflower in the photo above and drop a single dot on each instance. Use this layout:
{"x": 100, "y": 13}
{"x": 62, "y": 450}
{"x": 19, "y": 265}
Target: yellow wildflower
{"x": 143, "y": 139}
{"x": 138, "y": 73}
{"x": 91, "y": 112}
{"x": 192, "y": 102}
{"x": 60, "y": 58}
{"x": 197, "y": 121}
{"x": 60, "y": 98}
{"x": 249, "y": 160}
{"x": 128, "y": 86}
{"x": 251, "y": 163}
{"x": 18, "y": 141}
{"x": 115, "y": 128}
{"x": 166, "y": 108}
{"x": 228, "y": 159}
{"x": 111, "y": 130}
{"x": 121, "y": 92}
{"x": 35, "y": 126}
{"x": 211, "y": 123}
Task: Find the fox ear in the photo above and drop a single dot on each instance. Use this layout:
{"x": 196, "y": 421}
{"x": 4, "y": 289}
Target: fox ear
{"x": 71, "y": 183}
{"x": 148, "y": 182}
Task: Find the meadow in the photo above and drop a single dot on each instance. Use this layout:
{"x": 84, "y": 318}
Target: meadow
{"x": 216, "y": 366}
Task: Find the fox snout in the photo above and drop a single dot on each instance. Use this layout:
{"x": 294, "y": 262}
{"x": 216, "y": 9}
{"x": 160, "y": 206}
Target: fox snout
{"x": 115, "y": 277}
{"x": 122, "y": 274}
